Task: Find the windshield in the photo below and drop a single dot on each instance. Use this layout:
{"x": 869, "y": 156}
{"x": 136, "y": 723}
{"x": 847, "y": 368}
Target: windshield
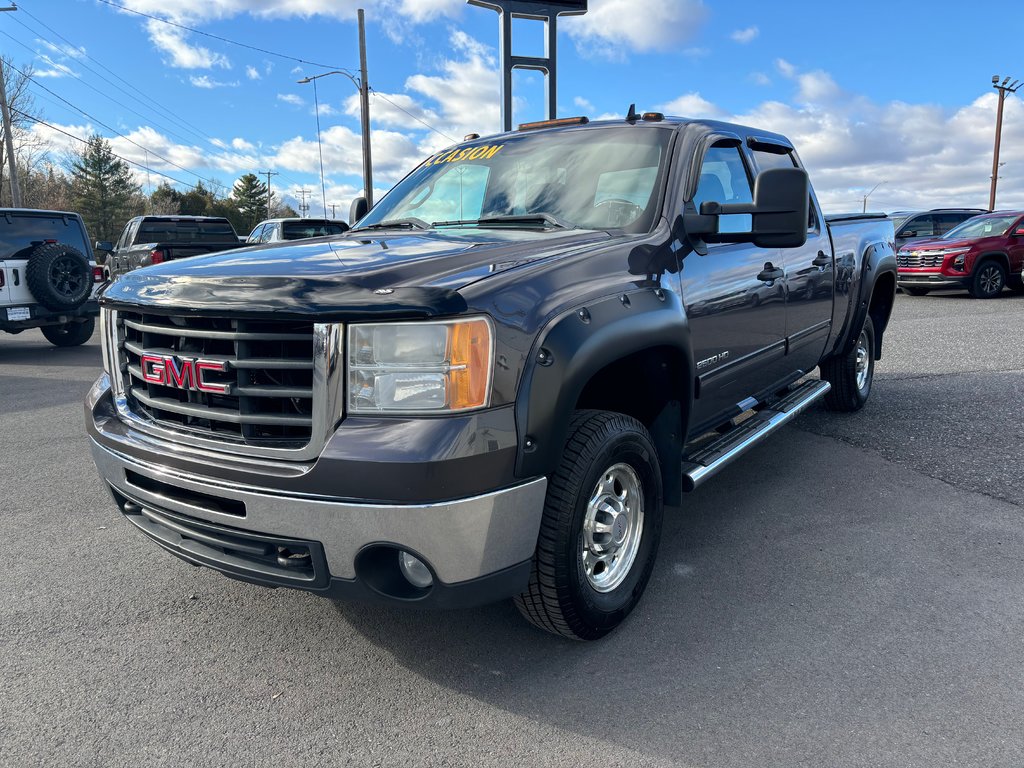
{"x": 981, "y": 226}
{"x": 592, "y": 179}
{"x": 897, "y": 221}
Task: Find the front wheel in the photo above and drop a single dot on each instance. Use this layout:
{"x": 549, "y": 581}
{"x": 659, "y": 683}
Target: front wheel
{"x": 69, "y": 334}
{"x": 989, "y": 279}
{"x": 600, "y": 530}
{"x": 851, "y": 374}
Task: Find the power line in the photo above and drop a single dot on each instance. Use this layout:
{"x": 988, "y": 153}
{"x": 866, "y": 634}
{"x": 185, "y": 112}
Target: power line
{"x": 113, "y": 130}
{"x": 218, "y": 37}
{"x": 86, "y": 141}
{"x": 410, "y": 114}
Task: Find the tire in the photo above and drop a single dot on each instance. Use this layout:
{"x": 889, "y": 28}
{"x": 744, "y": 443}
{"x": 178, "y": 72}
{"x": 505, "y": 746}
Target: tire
{"x": 59, "y": 276}
{"x": 69, "y": 334}
{"x": 988, "y": 281}
{"x": 914, "y": 291}
{"x": 583, "y": 584}
{"x": 852, "y": 374}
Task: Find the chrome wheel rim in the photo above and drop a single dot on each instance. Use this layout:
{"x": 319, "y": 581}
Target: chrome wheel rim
{"x": 612, "y": 527}
{"x": 863, "y": 365}
{"x": 990, "y": 280}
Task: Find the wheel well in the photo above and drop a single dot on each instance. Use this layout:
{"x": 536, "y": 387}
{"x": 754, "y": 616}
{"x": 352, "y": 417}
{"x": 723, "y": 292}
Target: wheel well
{"x": 880, "y": 309}
{"x": 653, "y": 386}
{"x": 1000, "y": 257}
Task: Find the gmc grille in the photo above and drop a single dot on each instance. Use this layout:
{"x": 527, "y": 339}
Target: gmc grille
{"x": 268, "y": 373}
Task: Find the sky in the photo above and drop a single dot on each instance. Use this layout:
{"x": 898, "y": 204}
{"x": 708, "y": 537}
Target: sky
{"x": 890, "y": 97}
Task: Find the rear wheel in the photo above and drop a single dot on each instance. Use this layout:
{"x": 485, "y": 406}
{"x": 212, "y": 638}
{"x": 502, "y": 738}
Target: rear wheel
{"x": 852, "y": 374}
{"x": 59, "y": 276}
{"x": 600, "y": 530}
{"x": 989, "y": 279}
{"x": 69, "y": 334}
{"x": 914, "y": 291}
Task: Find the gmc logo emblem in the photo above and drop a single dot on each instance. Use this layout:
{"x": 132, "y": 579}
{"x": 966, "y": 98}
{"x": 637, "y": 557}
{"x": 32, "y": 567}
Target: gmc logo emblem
{"x": 183, "y": 373}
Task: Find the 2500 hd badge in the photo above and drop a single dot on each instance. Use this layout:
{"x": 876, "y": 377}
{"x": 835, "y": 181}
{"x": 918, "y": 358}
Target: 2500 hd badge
{"x": 496, "y": 382}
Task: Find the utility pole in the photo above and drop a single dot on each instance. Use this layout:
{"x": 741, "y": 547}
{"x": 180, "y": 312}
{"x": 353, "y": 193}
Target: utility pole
{"x": 333, "y": 206}
{"x": 268, "y": 174}
{"x": 1003, "y": 89}
{"x": 364, "y": 112}
{"x": 304, "y": 206}
{"x": 8, "y": 135}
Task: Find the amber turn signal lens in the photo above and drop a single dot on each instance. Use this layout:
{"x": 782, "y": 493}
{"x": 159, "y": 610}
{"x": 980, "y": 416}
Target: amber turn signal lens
{"x": 470, "y": 360}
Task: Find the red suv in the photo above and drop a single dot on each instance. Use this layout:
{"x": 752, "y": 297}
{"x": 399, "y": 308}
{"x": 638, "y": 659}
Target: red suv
{"x": 983, "y": 255}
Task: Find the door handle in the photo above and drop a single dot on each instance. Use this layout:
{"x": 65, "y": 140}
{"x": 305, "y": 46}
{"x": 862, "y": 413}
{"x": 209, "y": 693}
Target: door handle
{"x": 17, "y": 277}
{"x": 770, "y": 273}
{"x": 823, "y": 260}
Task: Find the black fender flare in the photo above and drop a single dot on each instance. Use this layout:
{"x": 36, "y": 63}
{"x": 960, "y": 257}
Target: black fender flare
{"x": 1001, "y": 256}
{"x": 879, "y": 259}
{"x": 578, "y": 343}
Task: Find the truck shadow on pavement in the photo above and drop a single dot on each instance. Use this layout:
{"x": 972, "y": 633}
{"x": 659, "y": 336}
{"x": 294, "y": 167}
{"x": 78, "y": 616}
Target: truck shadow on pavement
{"x": 45, "y": 354}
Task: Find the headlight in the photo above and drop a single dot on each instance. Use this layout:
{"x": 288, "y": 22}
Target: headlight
{"x": 420, "y": 367}
{"x": 951, "y": 251}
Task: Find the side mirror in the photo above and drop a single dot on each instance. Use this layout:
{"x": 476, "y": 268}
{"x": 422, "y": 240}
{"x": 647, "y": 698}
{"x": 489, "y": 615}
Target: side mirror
{"x": 359, "y": 209}
{"x": 780, "y": 212}
{"x": 908, "y": 233}
{"x": 1019, "y": 231}
{"x": 103, "y": 245}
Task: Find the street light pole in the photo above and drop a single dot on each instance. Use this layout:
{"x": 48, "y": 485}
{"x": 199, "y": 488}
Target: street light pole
{"x": 1003, "y": 89}
{"x": 865, "y": 209}
{"x": 364, "y": 114}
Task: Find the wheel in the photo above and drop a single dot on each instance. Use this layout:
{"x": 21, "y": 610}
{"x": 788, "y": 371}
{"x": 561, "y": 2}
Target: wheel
{"x": 851, "y": 375}
{"x": 914, "y": 291}
{"x": 69, "y": 334}
{"x": 600, "y": 529}
{"x": 989, "y": 279}
{"x": 59, "y": 276}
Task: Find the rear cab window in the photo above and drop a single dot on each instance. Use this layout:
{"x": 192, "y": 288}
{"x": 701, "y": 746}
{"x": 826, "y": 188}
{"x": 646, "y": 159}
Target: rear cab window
{"x": 297, "y": 230}
{"x": 171, "y": 231}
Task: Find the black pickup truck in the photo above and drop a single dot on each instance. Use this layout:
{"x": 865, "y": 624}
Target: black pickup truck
{"x": 148, "y": 240}
{"x": 493, "y": 384}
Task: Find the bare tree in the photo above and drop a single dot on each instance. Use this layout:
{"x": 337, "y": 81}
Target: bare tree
{"x": 22, "y": 107}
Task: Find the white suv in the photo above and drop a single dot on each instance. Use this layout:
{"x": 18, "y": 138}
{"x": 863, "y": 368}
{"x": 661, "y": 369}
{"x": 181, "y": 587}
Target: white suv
{"x": 48, "y": 276}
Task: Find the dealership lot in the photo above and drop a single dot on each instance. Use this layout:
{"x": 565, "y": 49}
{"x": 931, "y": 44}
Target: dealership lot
{"x": 850, "y": 594}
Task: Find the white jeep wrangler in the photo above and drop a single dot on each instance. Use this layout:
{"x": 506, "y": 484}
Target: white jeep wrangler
{"x": 48, "y": 275}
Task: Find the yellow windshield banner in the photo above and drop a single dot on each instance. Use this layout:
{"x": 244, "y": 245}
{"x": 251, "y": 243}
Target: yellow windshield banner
{"x": 457, "y": 155}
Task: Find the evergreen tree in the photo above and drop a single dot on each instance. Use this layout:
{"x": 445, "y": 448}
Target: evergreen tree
{"x": 197, "y": 201}
{"x": 165, "y": 201}
{"x": 250, "y": 197}
{"x": 103, "y": 190}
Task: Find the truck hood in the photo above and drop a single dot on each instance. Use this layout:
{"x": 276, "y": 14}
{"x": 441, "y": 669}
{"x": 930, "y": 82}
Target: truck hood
{"x": 937, "y": 245}
{"x": 409, "y": 274}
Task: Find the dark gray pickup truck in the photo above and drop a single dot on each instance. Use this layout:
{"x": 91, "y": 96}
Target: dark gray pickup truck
{"x": 496, "y": 381}
{"x": 149, "y": 240}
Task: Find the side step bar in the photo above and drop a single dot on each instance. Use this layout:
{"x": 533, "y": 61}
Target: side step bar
{"x": 719, "y": 454}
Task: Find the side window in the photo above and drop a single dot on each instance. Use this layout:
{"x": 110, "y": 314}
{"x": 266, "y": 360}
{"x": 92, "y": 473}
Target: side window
{"x": 724, "y": 179}
{"x": 268, "y": 233}
{"x": 946, "y": 221}
{"x": 254, "y": 236}
{"x": 919, "y": 226}
{"x": 767, "y": 160}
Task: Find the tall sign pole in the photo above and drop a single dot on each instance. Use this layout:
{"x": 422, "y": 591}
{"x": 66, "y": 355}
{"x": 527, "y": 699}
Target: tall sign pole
{"x": 8, "y": 136}
{"x": 547, "y": 11}
{"x": 1005, "y": 88}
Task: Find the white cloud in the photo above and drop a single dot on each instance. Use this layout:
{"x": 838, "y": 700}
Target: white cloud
{"x": 760, "y": 78}
{"x": 691, "y": 105}
{"x": 393, "y": 154}
{"x": 614, "y": 28}
{"x": 928, "y": 155}
{"x": 387, "y": 109}
{"x": 744, "y": 36}
{"x": 326, "y": 109}
{"x": 584, "y": 104}
{"x": 183, "y": 55}
{"x": 291, "y": 98}
{"x": 242, "y": 145}
{"x": 207, "y": 82}
{"x": 787, "y": 69}
{"x": 251, "y": 72}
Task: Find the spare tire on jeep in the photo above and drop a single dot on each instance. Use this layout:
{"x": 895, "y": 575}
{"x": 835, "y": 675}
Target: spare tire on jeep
{"x": 59, "y": 276}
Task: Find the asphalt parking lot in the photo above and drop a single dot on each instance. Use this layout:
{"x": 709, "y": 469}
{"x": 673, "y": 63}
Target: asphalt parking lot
{"x": 849, "y": 594}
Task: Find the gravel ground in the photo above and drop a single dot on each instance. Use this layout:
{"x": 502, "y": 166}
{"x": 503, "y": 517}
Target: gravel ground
{"x": 849, "y": 594}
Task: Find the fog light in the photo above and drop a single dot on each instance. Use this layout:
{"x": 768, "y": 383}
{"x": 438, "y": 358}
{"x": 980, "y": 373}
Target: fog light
{"x": 414, "y": 570}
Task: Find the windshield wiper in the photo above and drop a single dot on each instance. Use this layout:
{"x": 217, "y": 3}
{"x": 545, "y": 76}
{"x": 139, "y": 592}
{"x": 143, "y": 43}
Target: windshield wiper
{"x": 409, "y": 223}
{"x": 543, "y": 219}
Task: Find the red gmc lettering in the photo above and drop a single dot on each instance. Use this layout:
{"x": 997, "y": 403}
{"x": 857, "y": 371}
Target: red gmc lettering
{"x": 183, "y": 373}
